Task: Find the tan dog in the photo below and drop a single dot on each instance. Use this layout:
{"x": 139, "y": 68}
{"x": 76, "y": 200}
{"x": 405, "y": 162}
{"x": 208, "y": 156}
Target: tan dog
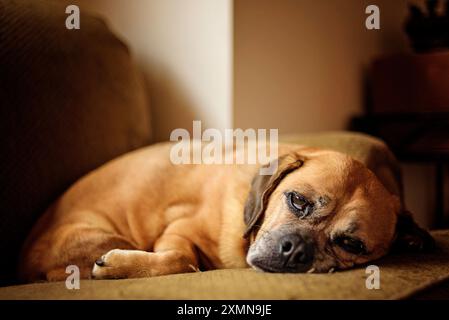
{"x": 141, "y": 216}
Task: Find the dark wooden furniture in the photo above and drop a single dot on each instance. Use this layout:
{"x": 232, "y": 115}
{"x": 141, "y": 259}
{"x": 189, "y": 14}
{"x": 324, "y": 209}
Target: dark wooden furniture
{"x": 415, "y": 137}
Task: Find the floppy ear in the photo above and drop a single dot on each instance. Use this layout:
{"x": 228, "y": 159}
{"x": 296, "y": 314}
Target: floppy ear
{"x": 263, "y": 186}
{"x": 410, "y": 237}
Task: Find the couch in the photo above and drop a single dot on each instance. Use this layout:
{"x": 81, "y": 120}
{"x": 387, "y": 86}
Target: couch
{"x": 73, "y": 100}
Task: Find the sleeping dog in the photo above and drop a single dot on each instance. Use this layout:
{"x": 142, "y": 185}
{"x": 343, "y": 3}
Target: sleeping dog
{"x": 142, "y": 216}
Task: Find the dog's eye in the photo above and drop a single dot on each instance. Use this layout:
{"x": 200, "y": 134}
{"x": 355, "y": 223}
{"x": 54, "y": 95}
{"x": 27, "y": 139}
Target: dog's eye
{"x": 300, "y": 206}
{"x": 350, "y": 245}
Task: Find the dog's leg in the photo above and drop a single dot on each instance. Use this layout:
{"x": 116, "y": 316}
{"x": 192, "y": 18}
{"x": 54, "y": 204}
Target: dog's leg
{"x": 173, "y": 253}
{"x": 48, "y": 257}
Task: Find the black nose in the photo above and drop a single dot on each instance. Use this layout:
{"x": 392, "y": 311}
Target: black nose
{"x": 295, "y": 251}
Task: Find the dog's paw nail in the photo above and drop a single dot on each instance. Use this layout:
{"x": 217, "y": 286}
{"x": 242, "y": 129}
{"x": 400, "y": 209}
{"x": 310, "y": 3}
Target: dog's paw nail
{"x": 99, "y": 262}
{"x": 311, "y": 270}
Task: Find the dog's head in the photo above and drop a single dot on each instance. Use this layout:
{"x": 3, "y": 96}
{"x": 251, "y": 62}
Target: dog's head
{"x": 323, "y": 210}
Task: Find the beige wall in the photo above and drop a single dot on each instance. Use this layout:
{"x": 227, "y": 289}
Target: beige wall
{"x": 306, "y": 60}
{"x": 185, "y": 51}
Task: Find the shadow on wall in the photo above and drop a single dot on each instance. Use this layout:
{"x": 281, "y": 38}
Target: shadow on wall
{"x": 182, "y": 110}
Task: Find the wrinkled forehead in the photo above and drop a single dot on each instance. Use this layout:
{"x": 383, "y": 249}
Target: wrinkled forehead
{"x": 369, "y": 205}
{"x": 339, "y": 178}
{"x": 329, "y": 171}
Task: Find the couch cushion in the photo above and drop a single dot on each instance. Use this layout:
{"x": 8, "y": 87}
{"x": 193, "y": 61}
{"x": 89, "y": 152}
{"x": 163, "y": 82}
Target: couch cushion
{"x": 70, "y": 101}
{"x": 401, "y": 276}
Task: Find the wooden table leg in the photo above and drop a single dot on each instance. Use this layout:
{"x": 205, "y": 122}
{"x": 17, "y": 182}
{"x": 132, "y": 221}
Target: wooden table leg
{"x": 439, "y": 196}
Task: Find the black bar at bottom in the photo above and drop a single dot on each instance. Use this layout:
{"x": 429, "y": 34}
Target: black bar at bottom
{"x": 217, "y": 309}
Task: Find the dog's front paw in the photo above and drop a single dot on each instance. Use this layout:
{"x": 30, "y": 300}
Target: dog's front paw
{"x": 118, "y": 264}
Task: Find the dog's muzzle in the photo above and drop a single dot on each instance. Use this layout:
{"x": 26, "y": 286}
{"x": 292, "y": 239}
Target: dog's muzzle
{"x": 282, "y": 251}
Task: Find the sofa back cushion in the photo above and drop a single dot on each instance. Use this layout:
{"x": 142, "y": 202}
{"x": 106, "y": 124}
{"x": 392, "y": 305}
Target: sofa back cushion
{"x": 70, "y": 100}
